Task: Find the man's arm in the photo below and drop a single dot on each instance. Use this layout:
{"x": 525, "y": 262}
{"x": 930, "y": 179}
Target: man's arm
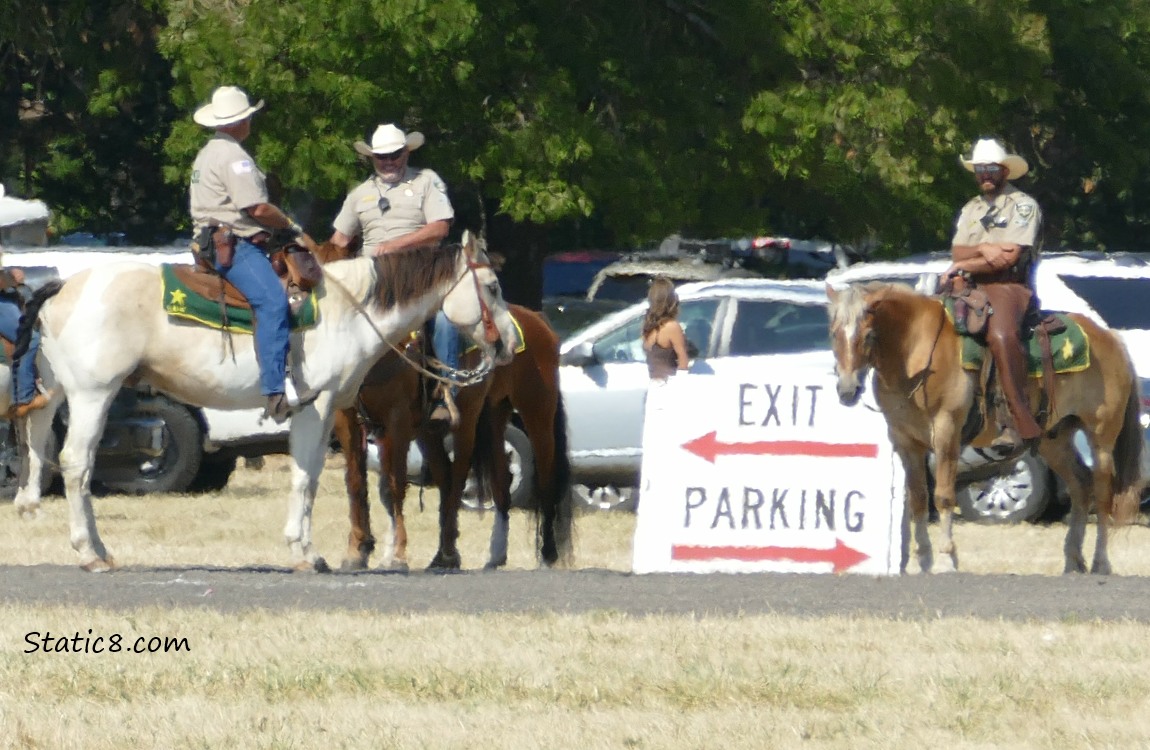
{"x": 272, "y": 217}
{"x": 430, "y": 234}
{"x": 985, "y": 257}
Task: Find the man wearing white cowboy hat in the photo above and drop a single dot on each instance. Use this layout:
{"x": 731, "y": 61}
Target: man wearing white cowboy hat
{"x": 228, "y": 190}
{"x": 996, "y": 245}
{"x": 397, "y": 209}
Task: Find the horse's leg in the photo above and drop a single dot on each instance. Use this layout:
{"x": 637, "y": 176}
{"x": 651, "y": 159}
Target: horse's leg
{"x": 360, "y": 543}
{"x": 500, "y": 482}
{"x": 1103, "y": 506}
{"x": 946, "y": 450}
{"x": 309, "y": 433}
{"x": 916, "y": 512}
{"x": 538, "y": 423}
{"x": 1059, "y": 454}
{"x": 35, "y": 430}
{"x": 86, "y": 414}
{"x": 447, "y": 556}
{"x": 393, "y": 486}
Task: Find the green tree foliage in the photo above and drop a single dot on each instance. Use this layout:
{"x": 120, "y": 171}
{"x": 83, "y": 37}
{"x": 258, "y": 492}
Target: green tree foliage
{"x": 577, "y": 122}
{"x": 84, "y": 112}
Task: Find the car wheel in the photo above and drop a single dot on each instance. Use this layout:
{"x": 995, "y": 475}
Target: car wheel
{"x": 176, "y": 467}
{"x": 1021, "y": 494}
{"x": 521, "y": 466}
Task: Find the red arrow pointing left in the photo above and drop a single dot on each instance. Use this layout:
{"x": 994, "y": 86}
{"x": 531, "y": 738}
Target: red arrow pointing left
{"x": 842, "y": 556}
{"x": 709, "y": 446}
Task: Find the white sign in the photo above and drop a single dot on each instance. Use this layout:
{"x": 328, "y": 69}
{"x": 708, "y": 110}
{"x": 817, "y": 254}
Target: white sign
{"x": 754, "y": 471}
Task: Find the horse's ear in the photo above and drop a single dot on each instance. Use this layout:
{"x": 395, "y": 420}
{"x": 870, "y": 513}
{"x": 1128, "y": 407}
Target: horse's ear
{"x": 468, "y": 242}
{"x": 832, "y": 295}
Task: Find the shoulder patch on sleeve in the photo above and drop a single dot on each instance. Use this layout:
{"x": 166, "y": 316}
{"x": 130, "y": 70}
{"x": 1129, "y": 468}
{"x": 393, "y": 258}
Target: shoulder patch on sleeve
{"x": 439, "y": 185}
{"x": 1025, "y": 212}
{"x": 243, "y": 166}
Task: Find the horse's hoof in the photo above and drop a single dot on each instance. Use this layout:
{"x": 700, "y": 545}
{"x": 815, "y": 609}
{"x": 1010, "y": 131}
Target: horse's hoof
{"x": 319, "y": 565}
{"x": 442, "y": 562}
{"x": 495, "y": 564}
{"x": 31, "y": 513}
{"x": 399, "y": 566}
{"x": 99, "y": 565}
{"x": 353, "y": 564}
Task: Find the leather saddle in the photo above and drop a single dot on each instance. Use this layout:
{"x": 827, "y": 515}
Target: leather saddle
{"x": 297, "y": 268}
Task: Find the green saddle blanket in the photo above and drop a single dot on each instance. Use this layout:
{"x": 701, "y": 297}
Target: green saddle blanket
{"x": 181, "y": 302}
{"x": 1070, "y": 348}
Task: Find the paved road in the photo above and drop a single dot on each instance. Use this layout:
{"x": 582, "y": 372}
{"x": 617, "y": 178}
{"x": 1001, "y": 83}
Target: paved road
{"x": 912, "y": 597}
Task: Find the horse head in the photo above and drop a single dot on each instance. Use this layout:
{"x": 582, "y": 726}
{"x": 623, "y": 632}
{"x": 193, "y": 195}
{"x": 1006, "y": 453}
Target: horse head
{"x": 475, "y": 306}
{"x": 852, "y": 340}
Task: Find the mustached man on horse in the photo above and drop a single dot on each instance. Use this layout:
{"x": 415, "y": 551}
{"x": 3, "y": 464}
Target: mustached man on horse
{"x": 932, "y": 383}
{"x": 401, "y": 208}
{"x": 995, "y": 250}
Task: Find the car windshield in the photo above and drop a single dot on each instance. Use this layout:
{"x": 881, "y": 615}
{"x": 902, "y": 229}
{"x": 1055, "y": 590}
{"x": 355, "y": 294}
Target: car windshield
{"x": 1119, "y": 300}
{"x": 778, "y": 327}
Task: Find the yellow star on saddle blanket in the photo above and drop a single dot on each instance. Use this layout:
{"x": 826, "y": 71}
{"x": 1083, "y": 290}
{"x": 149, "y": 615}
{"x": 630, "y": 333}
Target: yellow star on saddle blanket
{"x": 178, "y": 301}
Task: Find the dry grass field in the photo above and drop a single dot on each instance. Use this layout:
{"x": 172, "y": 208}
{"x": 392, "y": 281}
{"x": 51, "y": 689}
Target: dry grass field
{"x": 605, "y": 680}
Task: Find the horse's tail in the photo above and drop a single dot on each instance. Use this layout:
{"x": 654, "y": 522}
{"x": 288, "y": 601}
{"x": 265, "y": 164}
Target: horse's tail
{"x": 561, "y": 500}
{"x": 1128, "y": 480}
{"x": 30, "y": 317}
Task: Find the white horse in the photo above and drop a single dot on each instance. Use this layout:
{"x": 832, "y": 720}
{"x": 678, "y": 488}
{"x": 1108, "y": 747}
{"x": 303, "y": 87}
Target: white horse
{"x": 106, "y": 325}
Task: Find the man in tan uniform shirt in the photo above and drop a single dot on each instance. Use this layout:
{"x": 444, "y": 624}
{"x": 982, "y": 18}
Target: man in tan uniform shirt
{"x": 996, "y": 244}
{"x": 227, "y": 189}
{"x": 400, "y": 208}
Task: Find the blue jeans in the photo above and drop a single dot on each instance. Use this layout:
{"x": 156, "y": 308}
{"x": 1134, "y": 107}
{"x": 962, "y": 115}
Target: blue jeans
{"x": 445, "y": 341}
{"x": 24, "y": 376}
{"x": 251, "y": 272}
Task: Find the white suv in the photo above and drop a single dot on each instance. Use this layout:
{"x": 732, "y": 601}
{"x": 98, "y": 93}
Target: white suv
{"x": 1112, "y": 290}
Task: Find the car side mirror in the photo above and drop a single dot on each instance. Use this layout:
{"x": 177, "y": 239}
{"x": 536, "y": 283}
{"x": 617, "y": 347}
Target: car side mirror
{"x": 580, "y": 355}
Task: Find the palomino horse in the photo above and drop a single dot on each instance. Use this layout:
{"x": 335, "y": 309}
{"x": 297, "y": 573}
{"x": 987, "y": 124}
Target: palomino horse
{"x": 104, "y": 326}
{"x": 391, "y": 399}
{"x": 926, "y": 395}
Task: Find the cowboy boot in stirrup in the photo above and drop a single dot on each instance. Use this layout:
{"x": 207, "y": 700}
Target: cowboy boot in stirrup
{"x": 39, "y": 401}
{"x": 278, "y": 408}
{"x": 445, "y": 413}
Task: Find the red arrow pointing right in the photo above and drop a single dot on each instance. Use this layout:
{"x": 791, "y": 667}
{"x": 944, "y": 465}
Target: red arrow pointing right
{"x": 842, "y": 556}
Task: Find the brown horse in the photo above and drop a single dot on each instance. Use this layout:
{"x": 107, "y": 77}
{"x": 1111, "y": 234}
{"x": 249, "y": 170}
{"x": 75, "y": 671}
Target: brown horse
{"x": 392, "y": 401}
{"x": 926, "y": 397}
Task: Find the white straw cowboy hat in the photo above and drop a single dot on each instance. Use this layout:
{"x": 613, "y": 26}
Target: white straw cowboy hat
{"x": 990, "y": 151}
{"x": 387, "y": 139}
{"x": 229, "y": 104}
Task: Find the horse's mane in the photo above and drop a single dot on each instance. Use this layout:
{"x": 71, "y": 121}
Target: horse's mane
{"x": 853, "y": 301}
{"x": 407, "y": 275}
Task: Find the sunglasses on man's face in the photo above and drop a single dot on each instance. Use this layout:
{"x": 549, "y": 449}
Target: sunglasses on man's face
{"x": 393, "y": 156}
{"x": 987, "y": 170}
